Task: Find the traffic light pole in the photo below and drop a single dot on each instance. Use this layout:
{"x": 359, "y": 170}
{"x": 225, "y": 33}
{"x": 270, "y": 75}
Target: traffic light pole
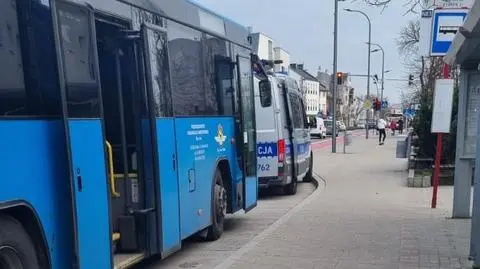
{"x": 335, "y": 84}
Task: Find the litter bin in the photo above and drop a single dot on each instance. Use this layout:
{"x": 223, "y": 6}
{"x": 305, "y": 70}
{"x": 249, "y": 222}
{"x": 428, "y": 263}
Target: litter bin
{"x": 348, "y": 138}
{"x": 401, "y": 151}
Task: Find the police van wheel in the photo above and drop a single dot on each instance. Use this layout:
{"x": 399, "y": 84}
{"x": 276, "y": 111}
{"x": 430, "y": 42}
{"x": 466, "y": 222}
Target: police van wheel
{"x": 309, "y": 176}
{"x": 16, "y": 248}
{"x": 219, "y": 208}
{"x": 291, "y": 188}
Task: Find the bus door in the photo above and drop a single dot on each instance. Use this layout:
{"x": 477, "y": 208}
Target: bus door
{"x": 157, "y": 76}
{"x": 79, "y": 79}
{"x": 250, "y": 180}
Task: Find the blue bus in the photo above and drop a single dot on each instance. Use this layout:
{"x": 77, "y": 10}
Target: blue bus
{"x": 125, "y": 127}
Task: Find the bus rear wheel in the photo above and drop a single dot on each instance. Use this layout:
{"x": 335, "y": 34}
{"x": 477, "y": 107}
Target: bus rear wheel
{"x": 16, "y": 248}
{"x": 219, "y": 208}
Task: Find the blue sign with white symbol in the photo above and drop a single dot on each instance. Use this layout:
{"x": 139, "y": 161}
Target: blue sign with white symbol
{"x": 384, "y": 104}
{"x": 445, "y": 26}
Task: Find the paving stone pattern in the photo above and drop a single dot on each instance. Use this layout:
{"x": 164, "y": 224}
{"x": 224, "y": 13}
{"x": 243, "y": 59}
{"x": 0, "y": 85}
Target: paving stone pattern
{"x": 365, "y": 217}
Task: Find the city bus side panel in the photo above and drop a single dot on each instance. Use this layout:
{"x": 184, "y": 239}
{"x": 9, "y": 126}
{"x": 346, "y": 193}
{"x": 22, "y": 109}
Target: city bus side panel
{"x": 34, "y": 173}
{"x": 201, "y": 144}
{"x": 168, "y": 200}
{"x": 91, "y": 193}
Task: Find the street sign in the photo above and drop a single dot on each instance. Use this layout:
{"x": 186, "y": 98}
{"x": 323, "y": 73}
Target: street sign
{"x": 384, "y": 104}
{"x": 425, "y": 32}
{"x": 453, "y": 3}
{"x": 445, "y": 26}
{"x": 442, "y": 106}
{"x": 367, "y": 104}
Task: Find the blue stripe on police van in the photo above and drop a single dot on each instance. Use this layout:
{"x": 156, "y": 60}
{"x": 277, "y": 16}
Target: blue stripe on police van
{"x": 267, "y": 149}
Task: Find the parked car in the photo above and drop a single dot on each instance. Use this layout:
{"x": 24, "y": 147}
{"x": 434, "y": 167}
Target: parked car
{"x": 372, "y": 124}
{"x": 329, "y": 127}
{"x": 317, "y": 127}
{"x": 341, "y": 126}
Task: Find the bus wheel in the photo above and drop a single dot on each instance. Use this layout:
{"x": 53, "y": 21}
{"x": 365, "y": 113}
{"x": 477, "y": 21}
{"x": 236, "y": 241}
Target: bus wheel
{"x": 16, "y": 248}
{"x": 291, "y": 188}
{"x": 309, "y": 176}
{"x": 219, "y": 208}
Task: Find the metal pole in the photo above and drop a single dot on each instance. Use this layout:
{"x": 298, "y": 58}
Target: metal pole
{"x": 369, "y": 53}
{"x": 438, "y": 153}
{"x": 334, "y": 105}
{"x": 383, "y": 76}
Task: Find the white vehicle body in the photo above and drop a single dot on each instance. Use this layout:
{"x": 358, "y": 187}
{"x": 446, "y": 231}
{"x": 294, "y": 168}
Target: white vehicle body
{"x": 317, "y": 128}
{"x": 283, "y": 140}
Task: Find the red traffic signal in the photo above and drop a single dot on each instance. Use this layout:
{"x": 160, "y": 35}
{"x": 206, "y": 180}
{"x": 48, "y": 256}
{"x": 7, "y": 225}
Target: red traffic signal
{"x": 339, "y": 78}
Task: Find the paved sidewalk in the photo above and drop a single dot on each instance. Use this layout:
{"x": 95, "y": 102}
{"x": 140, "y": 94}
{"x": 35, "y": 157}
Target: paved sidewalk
{"x": 365, "y": 217}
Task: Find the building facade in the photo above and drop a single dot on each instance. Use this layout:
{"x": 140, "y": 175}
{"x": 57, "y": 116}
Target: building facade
{"x": 310, "y": 87}
{"x": 265, "y": 47}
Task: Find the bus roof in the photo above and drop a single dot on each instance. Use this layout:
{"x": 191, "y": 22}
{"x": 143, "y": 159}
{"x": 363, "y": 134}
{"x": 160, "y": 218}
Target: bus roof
{"x": 194, "y": 15}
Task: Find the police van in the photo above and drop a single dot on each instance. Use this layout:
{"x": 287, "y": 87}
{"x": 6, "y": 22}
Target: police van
{"x": 284, "y": 154}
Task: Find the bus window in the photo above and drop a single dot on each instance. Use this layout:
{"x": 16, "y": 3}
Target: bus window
{"x": 186, "y": 64}
{"x": 28, "y": 77}
{"x": 79, "y": 61}
{"x": 12, "y": 87}
{"x": 159, "y": 72}
{"x": 218, "y": 76}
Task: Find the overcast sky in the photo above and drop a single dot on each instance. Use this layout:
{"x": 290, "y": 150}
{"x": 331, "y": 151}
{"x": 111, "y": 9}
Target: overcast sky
{"x": 305, "y": 29}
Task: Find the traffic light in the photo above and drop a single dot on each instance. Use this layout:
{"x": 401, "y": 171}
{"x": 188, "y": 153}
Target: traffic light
{"x": 376, "y": 104}
{"x": 339, "y": 78}
{"x": 410, "y": 80}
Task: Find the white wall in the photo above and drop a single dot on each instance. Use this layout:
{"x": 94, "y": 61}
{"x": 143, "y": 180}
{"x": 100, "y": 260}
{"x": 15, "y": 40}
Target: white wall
{"x": 283, "y": 55}
{"x": 322, "y": 100}
{"x": 263, "y": 45}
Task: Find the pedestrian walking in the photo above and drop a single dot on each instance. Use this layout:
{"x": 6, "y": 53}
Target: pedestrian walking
{"x": 393, "y": 126}
{"x": 381, "y": 124}
{"x": 400, "y": 126}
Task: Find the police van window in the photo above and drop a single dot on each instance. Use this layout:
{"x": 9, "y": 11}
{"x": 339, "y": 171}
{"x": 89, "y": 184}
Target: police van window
{"x": 78, "y": 60}
{"x": 186, "y": 65}
{"x": 304, "y": 114}
{"x": 296, "y": 114}
{"x": 28, "y": 77}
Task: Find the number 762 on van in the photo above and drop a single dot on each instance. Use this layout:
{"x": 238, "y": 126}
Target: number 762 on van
{"x": 263, "y": 167}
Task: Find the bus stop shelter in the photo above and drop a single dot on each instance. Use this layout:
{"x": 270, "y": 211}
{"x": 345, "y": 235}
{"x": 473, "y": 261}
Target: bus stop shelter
{"x": 465, "y": 54}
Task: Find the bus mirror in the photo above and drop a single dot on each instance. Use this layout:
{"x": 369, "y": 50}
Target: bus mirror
{"x": 265, "y": 93}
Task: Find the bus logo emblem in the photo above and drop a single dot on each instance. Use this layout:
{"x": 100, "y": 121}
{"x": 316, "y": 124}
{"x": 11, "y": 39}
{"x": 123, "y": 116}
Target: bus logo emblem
{"x": 220, "y": 138}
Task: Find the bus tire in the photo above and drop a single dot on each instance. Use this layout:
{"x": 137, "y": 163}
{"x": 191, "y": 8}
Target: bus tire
{"x": 219, "y": 208}
{"x": 291, "y": 189}
{"x": 17, "y": 250}
{"x": 309, "y": 176}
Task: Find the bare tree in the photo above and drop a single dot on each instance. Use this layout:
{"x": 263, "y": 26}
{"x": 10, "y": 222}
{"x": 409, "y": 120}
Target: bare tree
{"x": 409, "y": 37}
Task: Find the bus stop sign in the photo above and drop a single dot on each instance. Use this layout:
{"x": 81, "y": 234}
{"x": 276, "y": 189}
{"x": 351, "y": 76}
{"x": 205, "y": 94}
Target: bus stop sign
{"x": 446, "y": 23}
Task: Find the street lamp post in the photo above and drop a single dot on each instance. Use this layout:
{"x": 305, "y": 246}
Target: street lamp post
{"x": 369, "y": 52}
{"x": 383, "y": 70}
